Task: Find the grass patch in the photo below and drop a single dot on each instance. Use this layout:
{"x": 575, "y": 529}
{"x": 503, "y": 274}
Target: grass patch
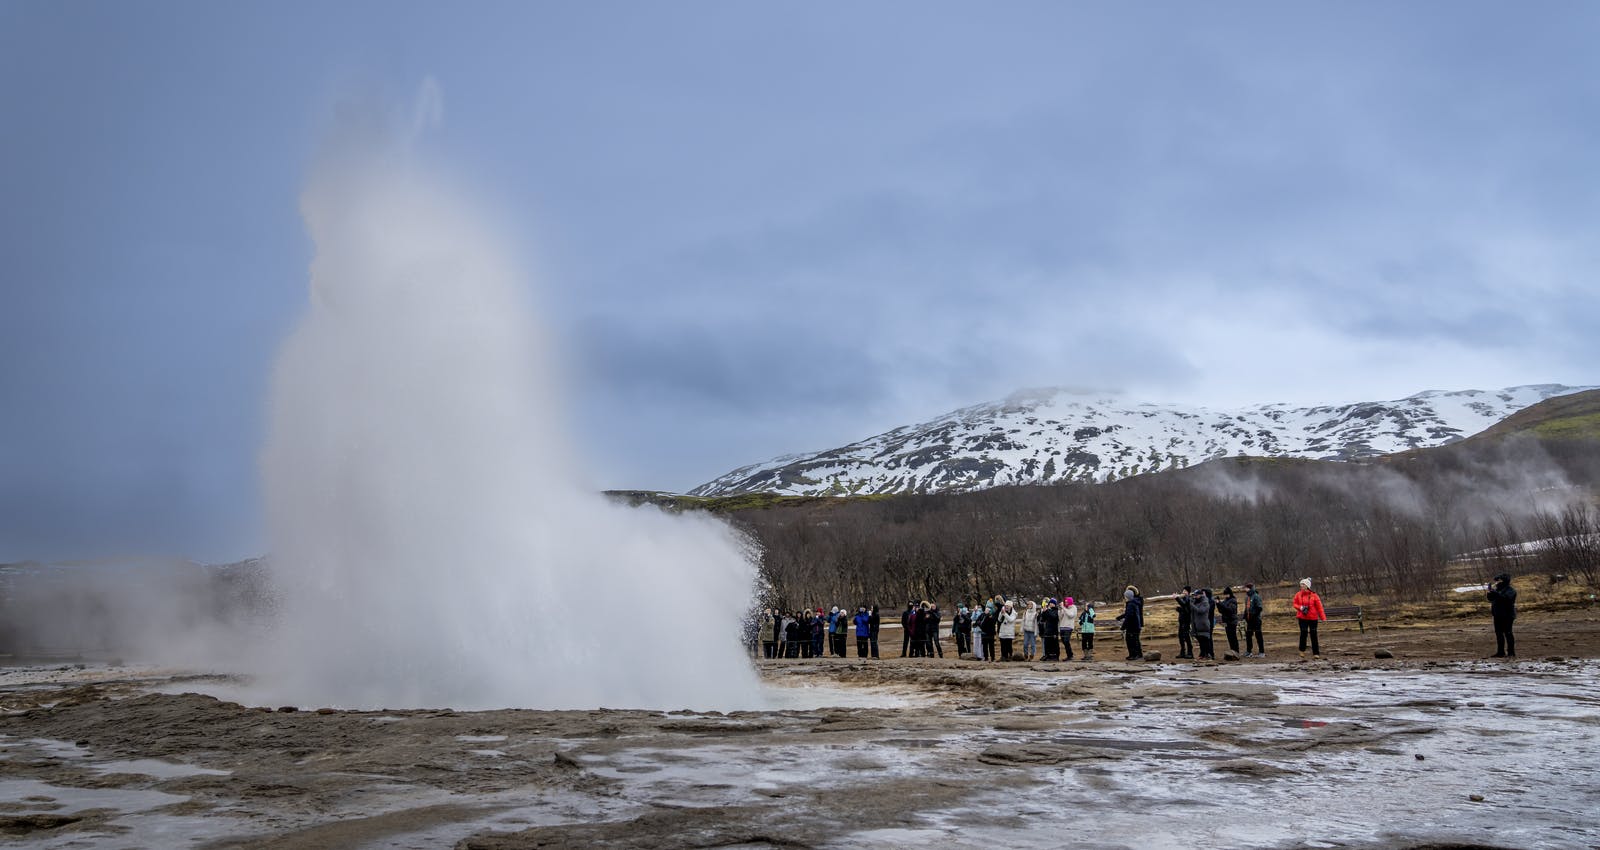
{"x": 1585, "y": 427}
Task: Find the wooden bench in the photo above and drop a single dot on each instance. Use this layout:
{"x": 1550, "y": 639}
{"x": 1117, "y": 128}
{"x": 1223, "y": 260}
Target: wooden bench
{"x": 1345, "y": 614}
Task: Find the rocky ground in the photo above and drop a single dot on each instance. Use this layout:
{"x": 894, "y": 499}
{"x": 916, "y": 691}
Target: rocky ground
{"x": 1434, "y": 748}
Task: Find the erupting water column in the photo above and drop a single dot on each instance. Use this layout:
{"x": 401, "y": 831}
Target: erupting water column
{"x": 431, "y": 539}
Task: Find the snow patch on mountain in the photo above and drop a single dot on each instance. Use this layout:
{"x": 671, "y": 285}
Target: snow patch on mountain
{"x": 1049, "y": 436}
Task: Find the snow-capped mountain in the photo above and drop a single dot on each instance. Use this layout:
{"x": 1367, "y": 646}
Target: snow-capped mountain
{"x": 1054, "y": 435}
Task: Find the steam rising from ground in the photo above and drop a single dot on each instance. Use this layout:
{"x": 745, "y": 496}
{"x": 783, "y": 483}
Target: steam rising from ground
{"x": 432, "y": 541}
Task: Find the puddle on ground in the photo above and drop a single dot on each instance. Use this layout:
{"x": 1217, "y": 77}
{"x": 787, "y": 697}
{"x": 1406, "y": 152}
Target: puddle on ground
{"x": 1238, "y": 757}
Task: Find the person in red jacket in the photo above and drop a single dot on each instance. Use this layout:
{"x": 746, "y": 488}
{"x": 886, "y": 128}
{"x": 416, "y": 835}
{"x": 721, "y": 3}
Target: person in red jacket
{"x": 1308, "y": 610}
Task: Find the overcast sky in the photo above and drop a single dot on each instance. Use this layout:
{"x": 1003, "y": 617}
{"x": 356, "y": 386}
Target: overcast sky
{"x": 761, "y": 228}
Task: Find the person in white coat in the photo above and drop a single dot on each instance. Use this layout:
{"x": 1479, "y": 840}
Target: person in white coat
{"x": 1008, "y": 631}
{"x": 1069, "y": 624}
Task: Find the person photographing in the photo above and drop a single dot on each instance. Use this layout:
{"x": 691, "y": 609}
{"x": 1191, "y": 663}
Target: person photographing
{"x": 1503, "y": 608}
{"x": 1308, "y": 611}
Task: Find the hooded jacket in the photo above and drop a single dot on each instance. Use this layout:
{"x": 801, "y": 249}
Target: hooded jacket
{"x": 1086, "y": 622}
{"x": 1252, "y": 611}
{"x": 863, "y": 622}
{"x": 1308, "y": 605}
{"x": 1503, "y": 601}
{"x": 1132, "y": 615}
{"x": 1030, "y": 619}
{"x": 1228, "y": 610}
{"x": 1200, "y": 621}
{"x": 1049, "y": 621}
{"x": 1069, "y": 618}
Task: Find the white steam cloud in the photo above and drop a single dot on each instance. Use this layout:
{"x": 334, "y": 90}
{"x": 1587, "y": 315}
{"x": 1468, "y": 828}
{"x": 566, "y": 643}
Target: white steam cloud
{"x": 432, "y": 541}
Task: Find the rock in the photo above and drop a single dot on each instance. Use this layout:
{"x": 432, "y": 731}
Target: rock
{"x": 1476, "y": 798}
{"x": 288, "y": 709}
{"x": 1420, "y": 756}
{"x": 1230, "y": 655}
{"x": 1152, "y": 656}
{"x": 325, "y": 711}
{"x": 1382, "y": 653}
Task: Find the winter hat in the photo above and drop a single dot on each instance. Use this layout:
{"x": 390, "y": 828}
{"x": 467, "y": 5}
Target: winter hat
{"x": 835, "y": 609}
{"x": 1227, "y": 591}
{"x": 1503, "y": 577}
{"x": 1128, "y": 594}
{"x": 1305, "y": 583}
{"x": 1069, "y": 600}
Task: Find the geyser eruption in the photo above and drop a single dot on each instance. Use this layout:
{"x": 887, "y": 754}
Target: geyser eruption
{"x": 432, "y": 541}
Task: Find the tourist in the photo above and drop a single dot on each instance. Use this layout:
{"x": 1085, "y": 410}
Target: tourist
{"x": 1007, "y": 631}
{"x": 1049, "y": 626}
{"x": 1185, "y": 621}
{"x": 1202, "y": 620}
{"x": 1132, "y": 619}
{"x": 1030, "y": 630}
{"x": 908, "y": 624}
{"x": 1503, "y": 608}
{"x": 920, "y": 645}
{"x": 1068, "y": 625}
{"x": 863, "y": 624}
{"x": 1228, "y": 608}
{"x": 975, "y": 633}
{"x": 1253, "y": 610}
{"x": 791, "y": 635}
{"x": 872, "y": 631}
{"x": 1086, "y": 630}
{"x": 769, "y": 633}
{"x": 819, "y": 631}
{"x": 1016, "y": 626}
{"x": 840, "y": 629}
{"x": 933, "y": 629}
{"x": 961, "y": 629}
{"x": 1308, "y": 610}
{"x": 989, "y": 625}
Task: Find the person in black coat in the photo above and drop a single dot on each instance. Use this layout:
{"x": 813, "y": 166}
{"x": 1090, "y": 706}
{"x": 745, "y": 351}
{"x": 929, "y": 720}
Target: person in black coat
{"x": 1185, "y": 623}
{"x": 988, "y": 624}
{"x": 1228, "y": 611}
{"x": 908, "y": 624}
{"x": 1132, "y": 619}
{"x": 1503, "y": 608}
{"x": 960, "y": 628}
{"x": 1253, "y": 610}
{"x": 1049, "y": 629}
{"x": 872, "y": 631}
{"x": 791, "y": 636}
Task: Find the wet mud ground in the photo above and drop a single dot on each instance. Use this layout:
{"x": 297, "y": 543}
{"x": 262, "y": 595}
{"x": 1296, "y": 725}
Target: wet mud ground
{"x": 1419, "y": 751}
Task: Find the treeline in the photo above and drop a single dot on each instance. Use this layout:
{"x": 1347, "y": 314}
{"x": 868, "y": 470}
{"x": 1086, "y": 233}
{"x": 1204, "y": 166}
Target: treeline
{"x": 1391, "y": 526}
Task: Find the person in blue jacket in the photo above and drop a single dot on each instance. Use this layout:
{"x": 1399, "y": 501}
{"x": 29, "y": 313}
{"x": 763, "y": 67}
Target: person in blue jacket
{"x": 863, "y": 622}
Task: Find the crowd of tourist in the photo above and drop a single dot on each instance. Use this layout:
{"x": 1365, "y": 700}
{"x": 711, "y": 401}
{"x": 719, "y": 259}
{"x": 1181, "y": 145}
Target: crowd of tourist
{"x": 1000, "y": 629}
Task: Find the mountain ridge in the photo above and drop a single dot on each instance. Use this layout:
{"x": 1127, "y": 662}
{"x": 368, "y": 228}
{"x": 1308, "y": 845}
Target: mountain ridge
{"x": 1056, "y": 435}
